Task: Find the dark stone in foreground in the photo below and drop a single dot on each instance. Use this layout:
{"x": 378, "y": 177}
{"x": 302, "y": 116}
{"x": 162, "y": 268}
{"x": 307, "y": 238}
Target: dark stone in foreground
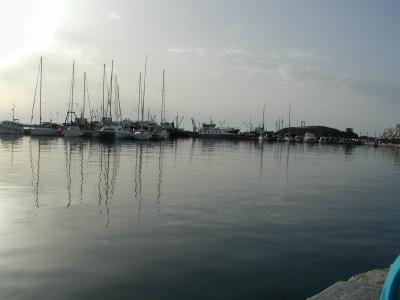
{"x": 365, "y": 286}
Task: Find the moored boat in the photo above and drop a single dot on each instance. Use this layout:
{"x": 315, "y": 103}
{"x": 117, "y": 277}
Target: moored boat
{"x": 11, "y": 127}
{"x": 310, "y": 137}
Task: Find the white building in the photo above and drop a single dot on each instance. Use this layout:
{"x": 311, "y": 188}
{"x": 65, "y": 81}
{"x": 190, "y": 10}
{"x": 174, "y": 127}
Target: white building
{"x": 392, "y": 133}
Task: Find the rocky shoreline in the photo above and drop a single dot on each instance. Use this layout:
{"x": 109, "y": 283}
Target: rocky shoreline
{"x": 364, "y": 286}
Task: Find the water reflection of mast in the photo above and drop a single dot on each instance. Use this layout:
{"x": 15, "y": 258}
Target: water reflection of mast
{"x": 68, "y": 158}
{"x": 138, "y": 178}
{"x": 160, "y": 173}
{"x": 35, "y": 179}
{"x": 82, "y": 180}
{"x": 107, "y": 178}
{"x": 261, "y": 157}
{"x": 287, "y": 162}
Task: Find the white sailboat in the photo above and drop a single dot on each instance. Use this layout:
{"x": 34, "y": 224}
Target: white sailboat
{"x": 11, "y": 127}
{"x": 161, "y": 133}
{"x": 262, "y": 136}
{"x": 44, "y": 128}
{"x": 142, "y": 134}
{"x": 73, "y": 130}
{"x": 111, "y": 131}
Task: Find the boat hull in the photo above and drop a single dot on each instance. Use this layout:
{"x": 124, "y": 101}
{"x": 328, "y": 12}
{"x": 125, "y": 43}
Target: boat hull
{"x": 43, "y": 131}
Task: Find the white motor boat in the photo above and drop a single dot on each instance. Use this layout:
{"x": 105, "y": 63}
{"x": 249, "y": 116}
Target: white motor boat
{"x": 73, "y": 131}
{"x": 323, "y": 140}
{"x": 44, "y": 129}
{"x": 141, "y": 135}
{"x": 289, "y": 139}
{"x": 310, "y": 137}
{"x": 112, "y": 132}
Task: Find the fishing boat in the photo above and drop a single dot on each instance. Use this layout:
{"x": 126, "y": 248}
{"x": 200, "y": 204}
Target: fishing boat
{"x": 73, "y": 129}
{"x": 160, "y": 134}
{"x": 11, "y": 127}
{"x": 210, "y": 130}
{"x": 44, "y": 128}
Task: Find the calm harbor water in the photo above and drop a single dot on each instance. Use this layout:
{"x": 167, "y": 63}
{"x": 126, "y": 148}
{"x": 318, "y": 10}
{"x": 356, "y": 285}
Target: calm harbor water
{"x": 191, "y": 219}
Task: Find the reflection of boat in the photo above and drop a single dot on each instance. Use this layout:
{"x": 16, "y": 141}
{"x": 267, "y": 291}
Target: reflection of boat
{"x": 310, "y": 137}
{"x": 44, "y": 128}
{"x": 11, "y": 127}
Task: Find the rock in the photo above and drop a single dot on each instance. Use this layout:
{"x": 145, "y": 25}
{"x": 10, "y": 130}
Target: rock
{"x": 365, "y": 286}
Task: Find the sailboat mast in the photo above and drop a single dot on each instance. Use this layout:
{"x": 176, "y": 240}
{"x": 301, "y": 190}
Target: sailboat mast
{"x": 163, "y": 99}
{"x": 289, "y": 116}
{"x": 119, "y": 106}
{"x": 110, "y": 96}
{"x": 84, "y": 96}
{"x": 263, "y": 123}
{"x": 104, "y": 81}
{"x": 72, "y": 90}
{"x": 144, "y": 86}
{"x": 140, "y": 99}
{"x": 40, "y": 91}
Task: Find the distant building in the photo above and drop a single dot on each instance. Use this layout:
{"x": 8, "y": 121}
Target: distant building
{"x": 392, "y": 133}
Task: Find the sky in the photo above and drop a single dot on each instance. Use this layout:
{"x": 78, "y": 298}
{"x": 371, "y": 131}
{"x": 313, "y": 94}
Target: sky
{"x": 334, "y": 62}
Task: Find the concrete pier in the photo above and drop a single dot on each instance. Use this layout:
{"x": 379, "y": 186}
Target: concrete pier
{"x": 365, "y": 286}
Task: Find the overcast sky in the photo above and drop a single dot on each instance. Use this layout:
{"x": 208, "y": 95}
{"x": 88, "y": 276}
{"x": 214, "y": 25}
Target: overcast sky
{"x": 336, "y": 62}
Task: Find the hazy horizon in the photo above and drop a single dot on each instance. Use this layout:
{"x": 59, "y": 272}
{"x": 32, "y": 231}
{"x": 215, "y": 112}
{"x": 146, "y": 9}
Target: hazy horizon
{"x": 336, "y": 63}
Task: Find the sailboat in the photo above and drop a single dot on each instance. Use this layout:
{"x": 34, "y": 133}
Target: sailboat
{"x": 73, "y": 129}
{"x": 262, "y": 136}
{"x": 111, "y": 131}
{"x": 161, "y": 133}
{"x": 44, "y": 128}
{"x": 141, "y": 133}
{"x": 11, "y": 127}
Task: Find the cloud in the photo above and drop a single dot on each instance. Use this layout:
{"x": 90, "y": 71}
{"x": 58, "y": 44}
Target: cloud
{"x": 82, "y": 54}
{"x": 209, "y": 52}
{"x": 295, "y": 53}
{"x": 113, "y": 16}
